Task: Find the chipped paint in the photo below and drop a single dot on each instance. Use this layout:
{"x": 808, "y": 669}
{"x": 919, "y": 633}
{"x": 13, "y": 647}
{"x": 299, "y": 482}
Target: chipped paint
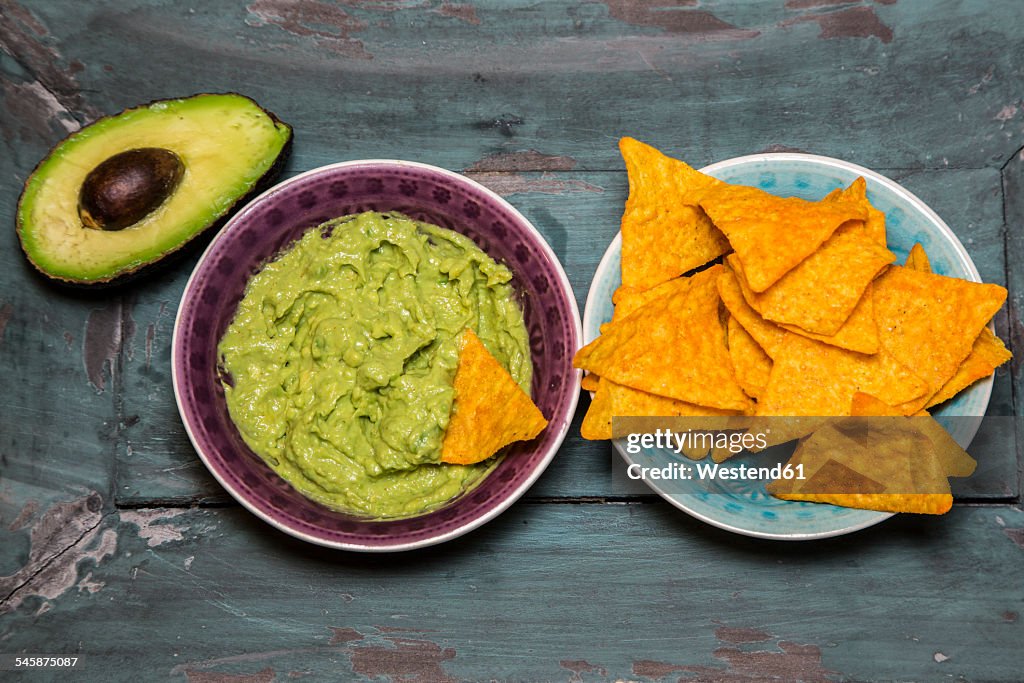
{"x": 101, "y": 343}
{"x": 789, "y": 662}
{"x": 458, "y": 10}
{"x": 28, "y": 512}
{"x": 526, "y": 160}
{"x": 266, "y": 675}
{"x": 677, "y": 18}
{"x": 407, "y": 659}
{"x": 648, "y": 668}
{"x": 23, "y": 36}
{"x": 741, "y": 635}
{"x": 38, "y": 113}
{"x": 985, "y": 80}
{"x": 200, "y": 667}
{"x": 1015, "y": 535}
{"x": 854, "y": 22}
{"x": 329, "y": 26}
{"x": 940, "y": 657}
{"x": 1007, "y": 113}
{"x": 578, "y": 667}
{"x": 154, "y": 525}
{"x": 513, "y": 183}
{"x": 343, "y": 634}
{"x": 813, "y": 4}
{"x": 66, "y": 535}
{"x": 88, "y": 585}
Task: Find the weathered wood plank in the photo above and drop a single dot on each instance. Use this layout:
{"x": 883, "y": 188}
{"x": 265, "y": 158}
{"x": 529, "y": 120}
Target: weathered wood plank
{"x": 884, "y": 84}
{"x": 58, "y": 359}
{"x": 1013, "y": 208}
{"x": 637, "y": 592}
{"x": 578, "y": 213}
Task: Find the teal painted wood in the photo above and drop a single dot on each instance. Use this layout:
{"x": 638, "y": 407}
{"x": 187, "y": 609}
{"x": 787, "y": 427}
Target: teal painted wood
{"x": 1013, "y": 207}
{"x": 906, "y": 84}
{"x": 530, "y": 97}
{"x": 634, "y": 592}
{"x": 59, "y": 351}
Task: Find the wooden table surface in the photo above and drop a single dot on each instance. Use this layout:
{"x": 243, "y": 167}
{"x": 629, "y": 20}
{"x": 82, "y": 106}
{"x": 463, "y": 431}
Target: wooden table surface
{"x": 115, "y": 542}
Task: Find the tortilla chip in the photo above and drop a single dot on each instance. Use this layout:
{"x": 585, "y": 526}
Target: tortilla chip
{"x": 954, "y": 460}
{"x": 751, "y": 363}
{"x": 674, "y": 346}
{"x": 664, "y": 231}
{"x": 858, "y": 333}
{"x": 987, "y": 353}
{"x": 772, "y": 235}
{"x": 628, "y": 299}
{"x": 917, "y": 503}
{"x": 490, "y": 410}
{"x": 597, "y": 423}
{"x": 930, "y": 322}
{"x": 866, "y": 405}
{"x": 616, "y": 400}
{"x": 883, "y": 472}
{"x": 918, "y": 260}
{"x": 874, "y": 224}
{"x": 589, "y": 382}
{"x": 630, "y": 402}
{"x": 768, "y": 336}
{"x": 821, "y": 292}
{"x": 815, "y": 379}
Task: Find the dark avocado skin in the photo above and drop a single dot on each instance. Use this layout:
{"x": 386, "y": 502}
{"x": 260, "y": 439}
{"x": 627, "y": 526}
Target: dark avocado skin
{"x": 171, "y": 255}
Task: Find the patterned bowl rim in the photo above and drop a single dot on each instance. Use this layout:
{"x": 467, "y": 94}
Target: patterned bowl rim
{"x": 612, "y": 255}
{"x": 511, "y": 496}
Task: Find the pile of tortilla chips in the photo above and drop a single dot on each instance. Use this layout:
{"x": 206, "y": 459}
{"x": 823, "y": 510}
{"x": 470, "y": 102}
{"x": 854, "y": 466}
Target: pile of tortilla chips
{"x": 801, "y": 313}
{"x": 490, "y": 410}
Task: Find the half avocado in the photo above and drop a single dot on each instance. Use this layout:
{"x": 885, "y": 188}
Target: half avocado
{"x": 129, "y": 189}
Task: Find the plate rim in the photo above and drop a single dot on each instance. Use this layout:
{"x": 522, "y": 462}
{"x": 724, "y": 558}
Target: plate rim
{"x": 615, "y": 247}
{"x": 488, "y": 516}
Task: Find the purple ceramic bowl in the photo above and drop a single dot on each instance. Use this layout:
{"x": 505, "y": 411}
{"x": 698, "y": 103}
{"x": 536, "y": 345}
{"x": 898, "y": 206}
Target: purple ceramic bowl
{"x": 279, "y": 216}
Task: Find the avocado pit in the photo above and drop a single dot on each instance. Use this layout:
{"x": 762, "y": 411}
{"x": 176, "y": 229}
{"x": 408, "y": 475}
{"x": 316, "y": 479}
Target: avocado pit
{"x": 127, "y": 187}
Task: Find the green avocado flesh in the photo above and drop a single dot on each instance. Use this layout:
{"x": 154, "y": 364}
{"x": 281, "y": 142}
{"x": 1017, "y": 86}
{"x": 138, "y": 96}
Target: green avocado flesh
{"x": 225, "y": 143}
{"x": 342, "y": 355}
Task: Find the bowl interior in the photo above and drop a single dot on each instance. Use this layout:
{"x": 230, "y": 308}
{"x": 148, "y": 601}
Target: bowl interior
{"x": 279, "y": 217}
{"x": 749, "y": 509}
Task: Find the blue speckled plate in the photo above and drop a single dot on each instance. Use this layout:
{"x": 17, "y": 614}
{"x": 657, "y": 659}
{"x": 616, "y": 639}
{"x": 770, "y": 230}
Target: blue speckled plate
{"x": 748, "y": 509}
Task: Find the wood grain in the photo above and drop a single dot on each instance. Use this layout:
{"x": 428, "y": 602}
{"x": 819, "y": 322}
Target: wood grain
{"x": 635, "y": 592}
{"x": 100, "y": 554}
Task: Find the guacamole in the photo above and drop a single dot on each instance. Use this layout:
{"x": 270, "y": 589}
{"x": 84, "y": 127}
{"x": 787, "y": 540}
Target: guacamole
{"x": 340, "y": 360}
